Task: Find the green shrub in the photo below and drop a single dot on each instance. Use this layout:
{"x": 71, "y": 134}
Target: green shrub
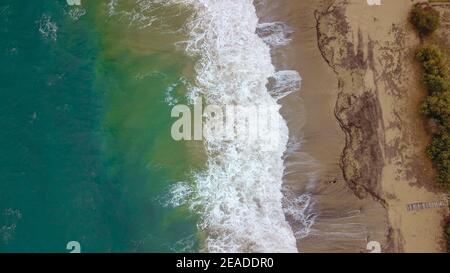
{"x": 435, "y": 83}
{"x": 435, "y": 66}
{"x": 433, "y": 61}
{"x": 428, "y": 52}
{"x": 425, "y": 18}
{"x": 439, "y": 152}
{"x": 437, "y": 106}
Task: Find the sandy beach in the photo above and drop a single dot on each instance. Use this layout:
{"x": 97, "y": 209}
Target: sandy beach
{"x": 362, "y": 153}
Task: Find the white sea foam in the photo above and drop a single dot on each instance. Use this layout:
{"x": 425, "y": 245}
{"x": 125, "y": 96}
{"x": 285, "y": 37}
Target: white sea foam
{"x": 298, "y": 209}
{"x": 112, "y": 5}
{"x": 170, "y": 96}
{"x": 239, "y": 194}
{"x": 76, "y": 13}
{"x": 283, "y": 83}
{"x": 275, "y": 34}
{"x": 48, "y": 28}
{"x": 74, "y": 2}
{"x": 178, "y": 194}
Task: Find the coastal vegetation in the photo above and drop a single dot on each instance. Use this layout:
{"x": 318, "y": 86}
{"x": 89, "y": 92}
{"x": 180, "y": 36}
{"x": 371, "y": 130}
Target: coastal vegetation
{"x": 424, "y": 18}
{"x": 436, "y": 106}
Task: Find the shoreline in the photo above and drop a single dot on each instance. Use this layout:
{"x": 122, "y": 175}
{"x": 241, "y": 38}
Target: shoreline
{"x": 344, "y": 223}
{"x": 362, "y": 137}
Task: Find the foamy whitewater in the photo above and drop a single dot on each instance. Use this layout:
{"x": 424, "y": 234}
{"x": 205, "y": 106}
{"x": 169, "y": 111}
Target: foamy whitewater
{"x": 239, "y": 195}
{"x": 240, "y": 192}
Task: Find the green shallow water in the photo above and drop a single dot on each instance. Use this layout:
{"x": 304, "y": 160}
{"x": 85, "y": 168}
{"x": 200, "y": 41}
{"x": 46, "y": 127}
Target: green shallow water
{"x": 86, "y": 152}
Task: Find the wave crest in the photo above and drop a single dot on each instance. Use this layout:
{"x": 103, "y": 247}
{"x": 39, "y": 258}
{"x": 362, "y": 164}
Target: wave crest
{"x": 239, "y": 194}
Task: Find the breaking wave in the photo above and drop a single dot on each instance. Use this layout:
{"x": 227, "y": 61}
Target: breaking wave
{"x": 239, "y": 195}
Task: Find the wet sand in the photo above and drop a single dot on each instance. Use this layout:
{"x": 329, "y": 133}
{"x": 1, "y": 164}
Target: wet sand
{"x": 344, "y": 223}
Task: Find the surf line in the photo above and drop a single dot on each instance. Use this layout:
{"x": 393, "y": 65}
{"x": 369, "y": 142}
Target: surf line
{"x": 240, "y": 190}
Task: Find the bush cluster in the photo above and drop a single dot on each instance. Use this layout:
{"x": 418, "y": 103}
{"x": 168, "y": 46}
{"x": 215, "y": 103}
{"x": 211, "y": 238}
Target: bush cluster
{"x": 424, "y": 18}
{"x": 437, "y": 106}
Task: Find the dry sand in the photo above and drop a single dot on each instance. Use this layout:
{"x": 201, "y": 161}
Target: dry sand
{"x": 362, "y": 156}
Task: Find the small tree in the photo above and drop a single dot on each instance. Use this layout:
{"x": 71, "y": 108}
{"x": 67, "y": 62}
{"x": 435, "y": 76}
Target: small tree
{"x": 439, "y": 152}
{"x": 425, "y": 18}
{"x": 428, "y": 52}
{"x": 435, "y": 66}
{"x": 435, "y": 83}
{"x": 437, "y": 106}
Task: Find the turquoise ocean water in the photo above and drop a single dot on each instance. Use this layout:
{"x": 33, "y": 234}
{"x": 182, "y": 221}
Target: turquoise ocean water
{"x": 86, "y": 153}
{"x": 86, "y": 95}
